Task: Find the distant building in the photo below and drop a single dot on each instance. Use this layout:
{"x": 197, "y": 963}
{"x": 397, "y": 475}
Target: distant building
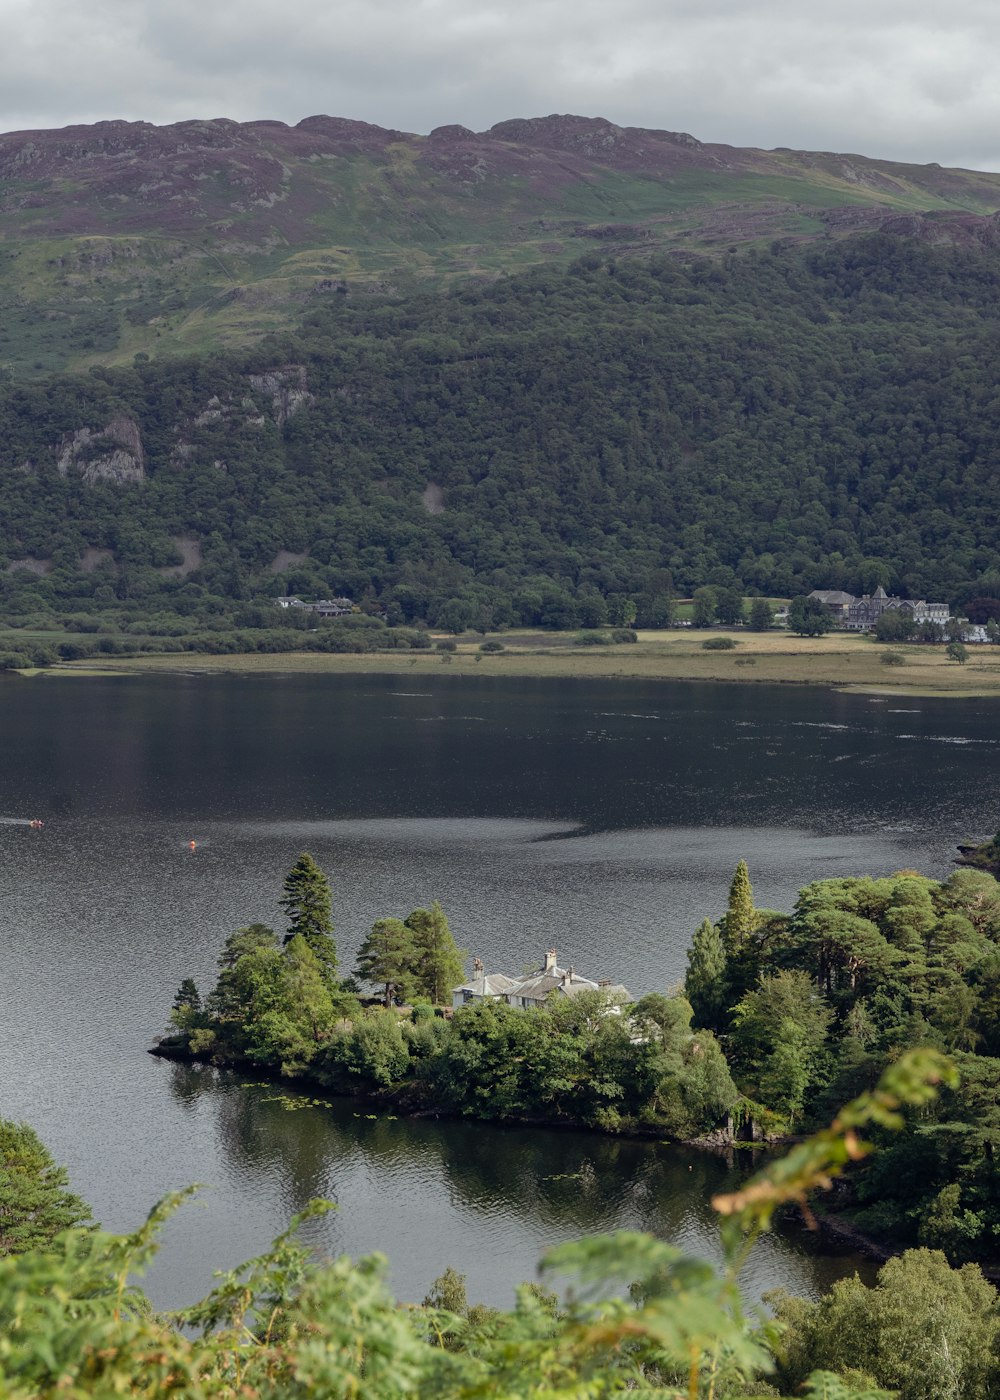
{"x": 333, "y": 607}
{"x": 864, "y": 612}
{"x": 326, "y": 607}
{"x": 534, "y": 988}
{"x": 836, "y": 600}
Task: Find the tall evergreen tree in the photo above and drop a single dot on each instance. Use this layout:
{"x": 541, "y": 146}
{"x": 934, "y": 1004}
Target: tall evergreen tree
{"x": 387, "y": 957}
{"x": 306, "y": 901}
{"x": 740, "y": 918}
{"x": 438, "y": 963}
{"x": 705, "y": 983}
{"x": 34, "y": 1203}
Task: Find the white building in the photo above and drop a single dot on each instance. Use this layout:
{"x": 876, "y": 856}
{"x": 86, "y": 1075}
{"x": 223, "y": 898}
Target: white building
{"x": 534, "y": 988}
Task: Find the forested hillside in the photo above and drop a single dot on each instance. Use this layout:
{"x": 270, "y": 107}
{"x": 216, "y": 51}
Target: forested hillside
{"x": 776, "y": 421}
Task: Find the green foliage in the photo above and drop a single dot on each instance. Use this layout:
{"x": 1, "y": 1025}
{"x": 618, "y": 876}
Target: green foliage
{"x": 705, "y": 984}
{"x": 437, "y": 962}
{"x": 34, "y": 1202}
{"x": 639, "y": 1317}
{"x": 660, "y": 426}
{"x": 703, "y": 608}
{"x": 892, "y": 658}
{"x": 957, "y": 651}
{"x": 894, "y": 626}
{"x": 925, "y": 1331}
{"x": 761, "y": 616}
{"x": 306, "y": 901}
{"x": 387, "y": 956}
{"x": 740, "y": 919}
{"x": 718, "y": 644}
{"x": 808, "y": 617}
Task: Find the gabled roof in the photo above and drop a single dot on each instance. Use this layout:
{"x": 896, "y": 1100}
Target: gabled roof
{"x": 493, "y": 984}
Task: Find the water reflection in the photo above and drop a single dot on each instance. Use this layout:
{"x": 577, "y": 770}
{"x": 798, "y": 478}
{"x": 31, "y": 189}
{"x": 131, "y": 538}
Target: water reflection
{"x": 500, "y": 1194}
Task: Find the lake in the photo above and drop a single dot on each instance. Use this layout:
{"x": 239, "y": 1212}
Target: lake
{"x": 602, "y": 819}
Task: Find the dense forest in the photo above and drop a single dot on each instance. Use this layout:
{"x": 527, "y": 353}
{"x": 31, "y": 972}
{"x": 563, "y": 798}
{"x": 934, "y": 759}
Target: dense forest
{"x": 526, "y": 450}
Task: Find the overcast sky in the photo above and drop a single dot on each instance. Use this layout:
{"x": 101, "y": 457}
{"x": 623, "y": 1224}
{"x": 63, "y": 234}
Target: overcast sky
{"x": 907, "y": 79}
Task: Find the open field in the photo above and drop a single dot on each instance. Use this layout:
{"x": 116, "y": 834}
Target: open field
{"x": 838, "y": 660}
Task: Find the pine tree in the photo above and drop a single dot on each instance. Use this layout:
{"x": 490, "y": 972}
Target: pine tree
{"x": 438, "y": 963}
{"x": 306, "y": 901}
{"x": 187, "y": 1004}
{"x": 34, "y": 1203}
{"x": 740, "y": 918}
{"x": 705, "y": 983}
{"x": 387, "y": 956}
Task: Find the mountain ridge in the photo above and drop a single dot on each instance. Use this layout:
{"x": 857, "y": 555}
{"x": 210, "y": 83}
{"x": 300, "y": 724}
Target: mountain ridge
{"x": 124, "y": 238}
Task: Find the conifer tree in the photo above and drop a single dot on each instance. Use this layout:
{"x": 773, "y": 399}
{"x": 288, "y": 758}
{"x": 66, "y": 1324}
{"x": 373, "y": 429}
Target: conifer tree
{"x": 740, "y": 918}
{"x": 387, "y": 956}
{"x": 705, "y": 983}
{"x": 34, "y": 1203}
{"x": 306, "y": 901}
{"x": 438, "y": 963}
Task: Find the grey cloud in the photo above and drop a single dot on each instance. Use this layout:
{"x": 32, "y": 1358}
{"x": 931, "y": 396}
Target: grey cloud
{"x": 907, "y": 81}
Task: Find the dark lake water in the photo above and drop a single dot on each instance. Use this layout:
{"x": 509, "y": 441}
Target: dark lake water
{"x": 602, "y": 819}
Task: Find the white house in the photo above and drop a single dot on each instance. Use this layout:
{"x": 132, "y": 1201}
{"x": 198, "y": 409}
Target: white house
{"x": 533, "y": 988}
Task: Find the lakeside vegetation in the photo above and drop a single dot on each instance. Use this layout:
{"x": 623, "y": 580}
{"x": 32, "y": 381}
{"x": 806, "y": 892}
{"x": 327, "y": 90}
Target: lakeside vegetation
{"x": 633, "y": 1315}
{"x": 843, "y": 660}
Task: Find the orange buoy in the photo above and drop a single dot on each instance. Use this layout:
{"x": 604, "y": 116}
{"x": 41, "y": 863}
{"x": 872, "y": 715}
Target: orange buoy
{"x": 192, "y": 845}
{"x": 36, "y": 825}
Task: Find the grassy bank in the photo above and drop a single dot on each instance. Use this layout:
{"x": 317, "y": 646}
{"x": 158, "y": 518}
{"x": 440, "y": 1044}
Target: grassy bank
{"x": 845, "y": 661}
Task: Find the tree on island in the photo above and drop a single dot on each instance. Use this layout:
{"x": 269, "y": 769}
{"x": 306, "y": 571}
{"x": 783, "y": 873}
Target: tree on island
{"x": 740, "y": 918}
{"x": 705, "y": 983}
{"x": 386, "y": 958}
{"x": 306, "y": 901}
{"x": 34, "y": 1203}
{"x": 438, "y": 963}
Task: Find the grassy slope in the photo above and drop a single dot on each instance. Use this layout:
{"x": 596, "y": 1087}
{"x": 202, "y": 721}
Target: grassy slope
{"x": 390, "y": 222}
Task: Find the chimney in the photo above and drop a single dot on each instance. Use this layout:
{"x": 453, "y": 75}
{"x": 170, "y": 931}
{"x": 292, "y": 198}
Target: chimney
{"x": 477, "y": 966}
{"x": 550, "y": 961}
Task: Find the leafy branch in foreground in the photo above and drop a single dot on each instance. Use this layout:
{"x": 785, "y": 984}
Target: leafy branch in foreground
{"x": 638, "y": 1315}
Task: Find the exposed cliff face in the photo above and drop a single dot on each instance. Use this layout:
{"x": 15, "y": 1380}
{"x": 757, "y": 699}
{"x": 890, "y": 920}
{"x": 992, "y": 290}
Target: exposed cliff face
{"x": 286, "y": 388}
{"x": 113, "y": 454}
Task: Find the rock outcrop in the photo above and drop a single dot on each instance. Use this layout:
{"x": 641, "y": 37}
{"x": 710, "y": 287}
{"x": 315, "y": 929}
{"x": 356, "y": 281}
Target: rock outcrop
{"x": 113, "y": 454}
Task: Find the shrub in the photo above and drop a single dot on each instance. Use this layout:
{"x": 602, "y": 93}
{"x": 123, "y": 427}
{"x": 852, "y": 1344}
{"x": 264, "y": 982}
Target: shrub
{"x": 892, "y": 658}
{"x": 492, "y": 647}
{"x": 623, "y": 634}
{"x": 718, "y": 644}
{"x": 446, "y": 644}
{"x": 746, "y": 661}
{"x": 592, "y": 639}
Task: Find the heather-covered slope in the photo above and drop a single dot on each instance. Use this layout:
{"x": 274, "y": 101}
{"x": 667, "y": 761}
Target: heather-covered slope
{"x": 125, "y": 238}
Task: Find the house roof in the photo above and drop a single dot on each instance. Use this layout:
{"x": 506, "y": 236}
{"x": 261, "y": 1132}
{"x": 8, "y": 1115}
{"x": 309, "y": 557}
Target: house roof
{"x": 834, "y": 596}
{"x": 493, "y": 984}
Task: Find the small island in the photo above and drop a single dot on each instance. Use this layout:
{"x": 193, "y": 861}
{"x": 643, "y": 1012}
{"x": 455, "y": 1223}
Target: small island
{"x": 781, "y": 1018}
